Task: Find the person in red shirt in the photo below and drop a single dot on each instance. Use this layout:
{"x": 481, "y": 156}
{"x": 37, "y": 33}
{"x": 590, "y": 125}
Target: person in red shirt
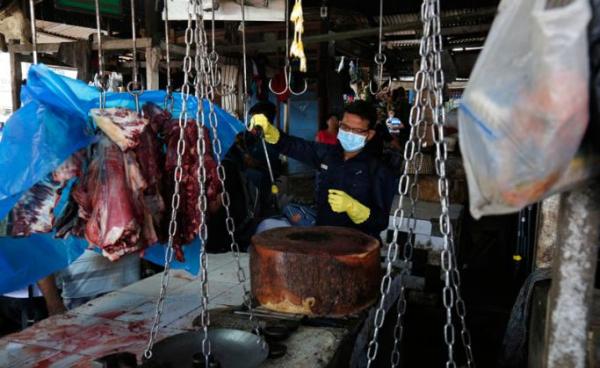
{"x": 328, "y": 133}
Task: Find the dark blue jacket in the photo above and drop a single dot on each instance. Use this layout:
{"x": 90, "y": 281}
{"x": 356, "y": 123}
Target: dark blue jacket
{"x": 362, "y": 177}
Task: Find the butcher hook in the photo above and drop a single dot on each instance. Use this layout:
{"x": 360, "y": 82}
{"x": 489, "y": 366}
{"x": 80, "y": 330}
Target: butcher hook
{"x": 380, "y": 59}
{"x": 287, "y": 69}
{"x": 287, "y": 75}
{"x": 215, "y": 76}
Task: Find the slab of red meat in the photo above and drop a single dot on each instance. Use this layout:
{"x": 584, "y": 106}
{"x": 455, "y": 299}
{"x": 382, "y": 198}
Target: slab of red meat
{"x": 34, "y": 213}
{"x": 122, "y": 126}
{"x": 188, "y": 216}
{"x": 109, "y": 201}
{"x": 71, "y": 168}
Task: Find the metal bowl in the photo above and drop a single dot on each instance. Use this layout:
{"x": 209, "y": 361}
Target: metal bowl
{"x": 231, "y": 348}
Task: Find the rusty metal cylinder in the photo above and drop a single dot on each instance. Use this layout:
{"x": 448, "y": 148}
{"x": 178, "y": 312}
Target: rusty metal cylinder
{"x": 317, "y": 271}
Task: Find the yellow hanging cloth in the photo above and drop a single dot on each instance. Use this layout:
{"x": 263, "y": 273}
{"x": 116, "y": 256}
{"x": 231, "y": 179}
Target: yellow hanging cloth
{"x": 297, "y": 48}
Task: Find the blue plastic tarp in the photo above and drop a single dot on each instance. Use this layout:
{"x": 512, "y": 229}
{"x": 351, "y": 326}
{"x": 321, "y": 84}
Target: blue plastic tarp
{"x": 52, "y": 125}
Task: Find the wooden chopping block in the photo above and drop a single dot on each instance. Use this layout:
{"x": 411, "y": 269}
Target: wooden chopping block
{"x": 318, "y": 271}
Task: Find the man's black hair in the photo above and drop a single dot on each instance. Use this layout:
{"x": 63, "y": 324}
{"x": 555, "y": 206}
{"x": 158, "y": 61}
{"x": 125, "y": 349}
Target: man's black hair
{"x": 266, "y": 108}
{"x": 363, "y": 109}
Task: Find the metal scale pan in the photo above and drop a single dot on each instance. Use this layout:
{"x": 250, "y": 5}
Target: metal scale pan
{"x": 231, "y": 348}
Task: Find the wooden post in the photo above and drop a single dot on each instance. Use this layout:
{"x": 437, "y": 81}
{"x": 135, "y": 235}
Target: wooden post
{"x": 153, "y": 55}
{"x": 15, "y": 79}
{"x": 547, "y": 231}
{"x": 571, "y": 293}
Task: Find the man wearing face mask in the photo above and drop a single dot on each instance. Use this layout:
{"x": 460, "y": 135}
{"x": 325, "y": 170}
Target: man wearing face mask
{"x": 354, "y": 189}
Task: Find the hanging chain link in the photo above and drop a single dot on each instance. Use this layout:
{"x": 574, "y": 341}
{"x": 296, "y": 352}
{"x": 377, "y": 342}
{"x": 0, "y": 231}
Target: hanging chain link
{"x": 178, "y": 174}
{"x": 451, "y": 291}
{"x": 200, "y": 82}
{"x": 413, "y": 160}
{"x": 428, "y": 84}
{"x": 226, "y": 201}
{"x": 417, "y": 118}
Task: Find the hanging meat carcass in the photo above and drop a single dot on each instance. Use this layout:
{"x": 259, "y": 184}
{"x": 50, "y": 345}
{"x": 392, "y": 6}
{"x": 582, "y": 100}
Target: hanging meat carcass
{"x": 110, "y": 199}
{"x": 123, "y": 126}
{"x": 188, "y": 217}
{"x": 34, "y": 212}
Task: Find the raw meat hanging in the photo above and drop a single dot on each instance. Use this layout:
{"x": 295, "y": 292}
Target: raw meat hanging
{"x": 34, "y": 212}
{"x": 122, "y": 126}
{"x": 119, "y": 204}
{"x": 110, "y": 199}
{"x": 188, "y": 216}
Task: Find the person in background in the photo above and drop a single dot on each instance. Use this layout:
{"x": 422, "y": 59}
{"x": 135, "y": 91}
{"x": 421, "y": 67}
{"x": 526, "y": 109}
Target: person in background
{"x": 393, "y": 123}
{"x": 93, "y": 275}
{"x": 20, "y": 309}
{"x": 355, "y": 190}
{"x": 329, "y": 131}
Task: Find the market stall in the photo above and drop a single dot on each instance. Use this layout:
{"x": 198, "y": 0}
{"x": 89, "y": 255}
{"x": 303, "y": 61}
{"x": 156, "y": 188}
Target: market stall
{"x": 452, "y": 177}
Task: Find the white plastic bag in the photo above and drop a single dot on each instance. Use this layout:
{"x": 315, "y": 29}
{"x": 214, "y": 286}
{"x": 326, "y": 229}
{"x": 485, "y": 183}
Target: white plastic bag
{"x": 525, "y": 109}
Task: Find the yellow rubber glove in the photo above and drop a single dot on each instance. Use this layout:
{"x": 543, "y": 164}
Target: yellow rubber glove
{"x": 341, "y": 202}
{"x": 271, "y": 133}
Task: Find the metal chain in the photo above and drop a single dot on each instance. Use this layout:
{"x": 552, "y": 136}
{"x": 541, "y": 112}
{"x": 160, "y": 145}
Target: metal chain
{"x": 413, "y": 158}
{"x": 169, "y": 100}
{"x": 451, "y": 290}
{"x": 178, "y": 174}
{"x": 229, "y": 221}
{"x": 417, "y": 118}
{"x": 33, "y": 31}
{"x": 200, "y": 82}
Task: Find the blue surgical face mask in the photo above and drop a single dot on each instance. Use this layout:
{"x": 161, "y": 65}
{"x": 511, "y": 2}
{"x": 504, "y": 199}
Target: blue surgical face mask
{"x": 351, "y": 142}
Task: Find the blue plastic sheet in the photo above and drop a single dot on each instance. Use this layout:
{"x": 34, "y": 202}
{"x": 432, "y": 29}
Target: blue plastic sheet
{"x": 52, "y": 125}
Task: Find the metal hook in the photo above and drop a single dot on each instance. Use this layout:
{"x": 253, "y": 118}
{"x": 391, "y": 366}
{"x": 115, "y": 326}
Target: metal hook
{"x": 379, "y": 90}
{"x": 287, "y": 74}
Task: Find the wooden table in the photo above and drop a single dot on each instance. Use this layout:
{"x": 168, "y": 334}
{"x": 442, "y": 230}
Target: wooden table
{"x": 120, "y": 321}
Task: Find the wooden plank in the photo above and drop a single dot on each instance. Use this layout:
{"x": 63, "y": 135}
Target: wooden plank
{"x": 46, "y": 48}
{"x": 120, "y": 44}
{"x": 547, "y": 231}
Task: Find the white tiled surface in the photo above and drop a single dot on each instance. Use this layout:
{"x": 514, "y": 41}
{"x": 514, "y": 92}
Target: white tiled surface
{"x": 120, "y": 321}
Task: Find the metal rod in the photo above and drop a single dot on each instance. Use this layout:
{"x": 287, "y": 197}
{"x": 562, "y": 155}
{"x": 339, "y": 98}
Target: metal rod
{"x": 33, "y": 30}
{"x": 167, "y": 46}
{"x": 99, "y": 32}
{"x": 244, "y": 64}
{"x": 134, "y": 42}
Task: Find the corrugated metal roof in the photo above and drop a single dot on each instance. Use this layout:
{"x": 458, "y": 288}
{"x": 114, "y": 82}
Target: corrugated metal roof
{"x": 49, "y": 32}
